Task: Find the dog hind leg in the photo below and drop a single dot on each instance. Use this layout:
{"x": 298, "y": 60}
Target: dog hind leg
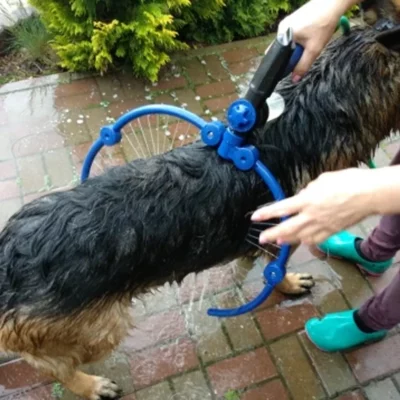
{"x": 58, "y": 347}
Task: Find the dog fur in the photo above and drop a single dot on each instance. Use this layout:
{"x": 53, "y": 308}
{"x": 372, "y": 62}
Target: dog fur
{"x": 70, "y": 262}
{"x": 374, "y": 10}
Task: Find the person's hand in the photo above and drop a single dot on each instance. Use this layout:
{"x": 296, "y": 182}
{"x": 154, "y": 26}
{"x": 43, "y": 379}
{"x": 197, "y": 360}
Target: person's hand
{"x": 313, "y": 26}
{"x": 334, "y": 201}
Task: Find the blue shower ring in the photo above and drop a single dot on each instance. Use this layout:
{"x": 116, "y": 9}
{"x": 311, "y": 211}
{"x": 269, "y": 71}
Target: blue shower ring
{"x": 230, "y": 147}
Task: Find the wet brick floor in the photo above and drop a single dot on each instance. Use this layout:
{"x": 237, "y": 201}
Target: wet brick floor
{"x": 176, "y": 351}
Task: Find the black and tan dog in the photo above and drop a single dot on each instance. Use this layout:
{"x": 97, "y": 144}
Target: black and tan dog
{"x": 70, "y": 262}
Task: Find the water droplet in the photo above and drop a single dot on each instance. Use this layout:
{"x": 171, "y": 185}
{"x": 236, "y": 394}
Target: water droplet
{"x": 208, "y": 112}
{"x": 69, "y": 120}
{"x": 115, "y": 96}
{"x": 167, "y": 133}
{"x": 204, "y": 62}
{"x": 148, "y": 97}
{"x": 79, "y": 121}
{"x": 181, "y": 137}
{"x": 184, "y": 105}
{"x": 198, "y": 98}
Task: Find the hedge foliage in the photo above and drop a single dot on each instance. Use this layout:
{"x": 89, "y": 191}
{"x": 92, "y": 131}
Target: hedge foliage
{"x": 236, "y": 19}
{"x": 95, "y": 34}
{"x": 98, "y": 34}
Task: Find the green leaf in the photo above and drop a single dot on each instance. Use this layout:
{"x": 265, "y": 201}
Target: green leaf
{"x": 57, "y": 391}
{"x": 232, "y": 395}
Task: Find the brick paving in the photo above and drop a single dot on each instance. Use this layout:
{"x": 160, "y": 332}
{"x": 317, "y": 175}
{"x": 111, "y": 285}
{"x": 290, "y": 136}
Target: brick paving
{"x": 176, "y": 351}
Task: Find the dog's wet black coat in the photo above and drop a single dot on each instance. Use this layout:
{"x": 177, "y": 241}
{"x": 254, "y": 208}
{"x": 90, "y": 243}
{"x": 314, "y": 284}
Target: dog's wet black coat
{"x": 160, "y": 219}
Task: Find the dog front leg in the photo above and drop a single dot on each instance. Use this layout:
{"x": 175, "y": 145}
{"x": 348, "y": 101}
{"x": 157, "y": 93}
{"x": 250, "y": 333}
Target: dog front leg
{"x": 92, "y": 387}
{"x": 293, "y": 282}
{"x": 296, "y": 283}
{"x": 63, "y": 370}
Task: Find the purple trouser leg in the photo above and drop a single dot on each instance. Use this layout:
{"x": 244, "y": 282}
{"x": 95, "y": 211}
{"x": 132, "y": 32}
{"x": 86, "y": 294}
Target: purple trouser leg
{"x": 384, "y": 241}
{"x": 383, "y": 310}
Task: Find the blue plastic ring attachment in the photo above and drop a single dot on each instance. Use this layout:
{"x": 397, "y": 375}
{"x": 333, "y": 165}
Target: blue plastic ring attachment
{"x": 110, "y": 136}
{"x": 91, "y": 155}
{"x": 245, "y": 158}
{"x": 242, "y": 116}
{"x": 112, "y": 132}
{"x": 275, "y": 271}
{"x": 212, "y": 133}
{"x": 273, "y": 274}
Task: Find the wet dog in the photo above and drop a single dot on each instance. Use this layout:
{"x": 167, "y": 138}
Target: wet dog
{"x": 71, "y": 261}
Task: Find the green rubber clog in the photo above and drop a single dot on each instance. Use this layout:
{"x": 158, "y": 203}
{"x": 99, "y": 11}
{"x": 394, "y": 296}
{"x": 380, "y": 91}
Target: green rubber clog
{"x": 342, "y": 245}
{"x": 339, "y": 332}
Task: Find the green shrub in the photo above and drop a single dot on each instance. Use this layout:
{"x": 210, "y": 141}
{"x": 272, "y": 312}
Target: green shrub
{"x": 238, "y": 19}
{"x": 100, "y": 34}
{"x": 95, "y": 34}
{"x": 31, "y": 38}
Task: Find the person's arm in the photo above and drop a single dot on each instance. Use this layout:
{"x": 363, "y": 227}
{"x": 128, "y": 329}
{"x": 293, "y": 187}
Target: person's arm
{"x": 387, "y": 195}
{"x": 313, "y": 26}
{"x": 334, "y": 201}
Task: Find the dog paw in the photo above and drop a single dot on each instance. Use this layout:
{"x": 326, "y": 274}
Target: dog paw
{"x": 296, "y": 283}
{"x": 105, "y": 389}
